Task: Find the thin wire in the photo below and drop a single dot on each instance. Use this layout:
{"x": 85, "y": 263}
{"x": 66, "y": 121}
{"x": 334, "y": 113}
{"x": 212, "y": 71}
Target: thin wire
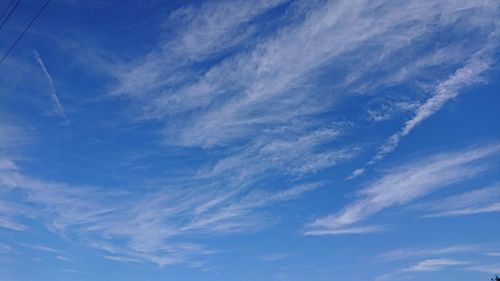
{"x": 25, "y": 30}
{"x": 6, "y": 8}
{"x": 10, "y": 14}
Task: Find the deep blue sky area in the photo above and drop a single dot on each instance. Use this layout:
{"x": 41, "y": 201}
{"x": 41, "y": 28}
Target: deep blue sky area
{"x": 250, "y": 140}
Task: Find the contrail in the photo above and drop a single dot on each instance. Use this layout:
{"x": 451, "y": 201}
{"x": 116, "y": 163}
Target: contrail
{"x": 467, "y": 75}
{"x": 59, "y": 109}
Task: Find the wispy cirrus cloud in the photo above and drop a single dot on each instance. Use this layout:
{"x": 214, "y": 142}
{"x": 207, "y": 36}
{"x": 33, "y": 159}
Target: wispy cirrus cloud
{"x": 406, "y": 184}
{"x": 8, "y": 223}
{"x": 427, "y": 265}
{"x": 433, "y": 265}
{"x": 439, "y": 258}
{"x": 248, "y": 100}
{"x": 58, "y": 108}
{"x": 136, "y": 228}
{"x": 8, "y": 216}
{"x": 468, "y": 75}
{"x": 246, "y": 97}
{"x": 387, "y": 110}
{"x": 202, "y": 31}
{"x": 274, "y": 257}
{"x": 11, "y": 136}
{"x": 486, "y": 268}
{"x": 478, "y": 201}
{"x": 301, "y": 152}
{"x": 406, "y": 253}
{"x": 9, "y": 210}
{"x": 270, "y": 82}
{"x": 4, "y": 249}
{"x": 7, "y": 164}
{"x": 41, "y": 248}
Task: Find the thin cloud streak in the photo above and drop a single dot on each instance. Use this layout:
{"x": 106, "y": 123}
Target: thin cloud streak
{"x": 433, "y": 265}
{"x": 11, "y": 136}
{"x": 486, "y": 268}
{"x": 59, "y": 109}
{"x": 400, "y": 254}
{"x": 471, "y": 73}
{"x": 468, "y": 75}
{"x": 427, "y": 265}
{"x": 406, "y": 184}
{"x": 479, "y": 201}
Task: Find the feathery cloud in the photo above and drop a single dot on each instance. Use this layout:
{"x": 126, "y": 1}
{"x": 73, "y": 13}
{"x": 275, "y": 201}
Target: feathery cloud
{"x": 468, "y": 75}
{"x": 247, "y": 99}
{"x": 148, "y": 223}
{"x": 485, "y": 200}
{"x": 486, "y": 268}
{"x": 406, "y": 184}
{"x": 399, "y": 254}
{"x": 270, "y": 82}
{"x": 427, "y": 265}
{"x": 433, "y": 265}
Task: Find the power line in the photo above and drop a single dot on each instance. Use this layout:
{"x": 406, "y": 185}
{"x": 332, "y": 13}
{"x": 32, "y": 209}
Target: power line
{"x": 6, "y": 8}
{"x": 25, "y": 30}
{"x": 10, "y": 13}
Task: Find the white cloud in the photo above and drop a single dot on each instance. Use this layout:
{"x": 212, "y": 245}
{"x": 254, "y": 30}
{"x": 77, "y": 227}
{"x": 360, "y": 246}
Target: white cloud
{"x": 10, "y": 136}
{"x": 487, "y": 268}
{"x": 59, "y": 109}
{"x": 468, "y": 75}
{"x": 202, "y": 31}
{"x": 7, "y": 164}
{"x": 67, "y": 270}
{"x": 427, "y": 265}
{"x": 389, "y": 109}
{"x": 41, "y": 248}
{"x": 356, "y": 173}
{"x": 430, "y": 265}
{"x": 63, "y": 258}
{"x": 274, "y": 257}
{"x": 399, "y": 254}
{"x": 10, "y": 211}
{"x": 485, "y": 200}
{"x": 214, "y": 27}
{"x": 10, "y": 224}
{"x": 270, "y": 82}
{"x": 4, "y": 249}
{"x": 142, "y": 227}
{"x": 263, "y": 98}
{"x": 258, "y": 106}
{"x": 132, "y": 227}
{"x": 406, "y": 184}
{"x": 301, "y": 153}
{"x": 345, "y": 230}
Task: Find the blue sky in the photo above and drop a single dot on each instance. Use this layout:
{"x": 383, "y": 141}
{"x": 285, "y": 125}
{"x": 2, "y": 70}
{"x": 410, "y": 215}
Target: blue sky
{"x": 251, "y": 140}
